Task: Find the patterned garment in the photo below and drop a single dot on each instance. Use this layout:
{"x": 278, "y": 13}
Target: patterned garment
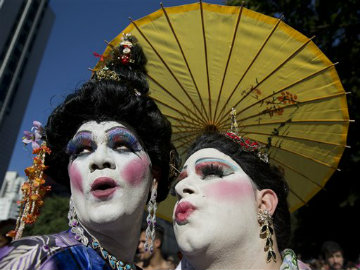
{"x": 50, "y": 252}
{"x": 290, "y": 262}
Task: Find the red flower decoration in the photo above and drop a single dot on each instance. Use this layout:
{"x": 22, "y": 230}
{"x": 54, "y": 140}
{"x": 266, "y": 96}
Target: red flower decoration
{"x": 99, "y": 56}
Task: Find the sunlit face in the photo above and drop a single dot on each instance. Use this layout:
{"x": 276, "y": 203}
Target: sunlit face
{"x": 142, "y": 254}
{"x": 109, "y": 172}
{"x": 216, "y": 207}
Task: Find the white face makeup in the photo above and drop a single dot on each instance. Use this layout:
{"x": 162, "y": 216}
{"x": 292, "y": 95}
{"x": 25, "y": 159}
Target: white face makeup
{"x": 216, "y": 208}
{"x": 109, "y": 172}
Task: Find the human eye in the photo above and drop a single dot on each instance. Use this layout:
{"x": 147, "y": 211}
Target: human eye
{"x": 81, "y": 144}
{"x": 121, "y": 140}
{"x": 121, "y": 146}
{"x": 212, "y": 169}
{"x": 209, "y": 171}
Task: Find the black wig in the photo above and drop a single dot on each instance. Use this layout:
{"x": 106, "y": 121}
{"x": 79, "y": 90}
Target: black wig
{"x": 123, "y": 101}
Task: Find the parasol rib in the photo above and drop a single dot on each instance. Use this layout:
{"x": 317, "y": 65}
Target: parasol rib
{"x": 193, "y": 131}
{"x": 168, "y": 68}
{"x": 185, "y": 129}
{"x": 299, "y": 154}
{"x": 297, "y": 196}
{"x": 186, "y": 142}
{"x": 176, "y": 110}
{"x": 250, "y": 65}
{"x": 297, "y": 172}
{"x": 325, "y": 121}
{"x": 292, "y": 105}
{"x": 181, "y": 138}
{"x": 181, "y": 130}
{"x": 228, "y": 59}
{"x": 170, "y": 94}
{"x": 179, "y": 120}
{"x": 294, "y": 137}
{"x": 270, "y": 74}
{"x": 186, "y": 62}
{"x": 206, "y": 57}
{"x": 311, "y": 76}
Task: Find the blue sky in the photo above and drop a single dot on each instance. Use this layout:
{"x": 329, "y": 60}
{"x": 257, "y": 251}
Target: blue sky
{"x": 79, "y": 29}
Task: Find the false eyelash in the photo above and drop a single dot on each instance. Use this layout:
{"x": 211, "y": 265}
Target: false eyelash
{"x": 211, "y": 169}
{"x": 79, "y": 143}
{"x": 119, "y": 136}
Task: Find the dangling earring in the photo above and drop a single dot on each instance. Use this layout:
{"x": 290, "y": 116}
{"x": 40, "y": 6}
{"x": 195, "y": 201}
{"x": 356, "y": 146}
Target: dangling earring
{"x": 266, "y": 231}
{"x": 151, "y": 220}
{"x": 75, "y": 225}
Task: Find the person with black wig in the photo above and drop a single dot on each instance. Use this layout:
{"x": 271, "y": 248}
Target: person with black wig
{"x": 232, "y": 211}
{"x": 111, "y": 145}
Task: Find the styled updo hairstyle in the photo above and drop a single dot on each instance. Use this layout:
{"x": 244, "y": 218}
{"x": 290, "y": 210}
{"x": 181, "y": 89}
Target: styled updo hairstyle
{"x": 124, "y": 101}
{"x": 263, "y": 175}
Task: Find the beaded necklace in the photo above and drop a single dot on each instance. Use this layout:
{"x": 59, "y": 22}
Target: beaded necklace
{"x": 79, "y": 231}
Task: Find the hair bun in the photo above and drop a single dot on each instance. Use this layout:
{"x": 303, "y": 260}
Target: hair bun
{"x": 126, "y": 63}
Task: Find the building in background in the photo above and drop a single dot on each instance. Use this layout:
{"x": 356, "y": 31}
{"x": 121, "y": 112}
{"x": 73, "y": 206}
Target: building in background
{"x": 25, "y": 26}
{"x": 10, "y": 193}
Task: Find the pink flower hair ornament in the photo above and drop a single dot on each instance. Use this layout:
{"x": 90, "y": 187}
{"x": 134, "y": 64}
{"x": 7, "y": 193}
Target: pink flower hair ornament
{"x": 34, "y": 136}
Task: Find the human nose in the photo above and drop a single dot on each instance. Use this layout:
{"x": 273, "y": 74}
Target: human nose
{"x": 101, "y": 160}
{"x": 337, "y": 259}
{"x": 184, "y": 188}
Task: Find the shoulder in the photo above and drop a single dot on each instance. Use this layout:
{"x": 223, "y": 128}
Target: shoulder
{"x": 31, "y": 252}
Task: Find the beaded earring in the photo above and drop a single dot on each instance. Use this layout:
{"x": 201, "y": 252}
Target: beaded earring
{"x": 266, "y": 231}
{"x": 151, "y": 220}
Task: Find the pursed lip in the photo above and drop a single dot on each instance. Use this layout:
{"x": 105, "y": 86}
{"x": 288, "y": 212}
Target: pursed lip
{"x": 183, "y": 211}
{"x": 103, "y": 187}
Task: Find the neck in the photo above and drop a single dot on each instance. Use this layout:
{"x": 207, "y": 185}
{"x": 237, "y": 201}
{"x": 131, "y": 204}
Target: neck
{"x": 155, "y": 262}
{"x": 156, "y": 259}
{"x": 119, "y": 238}
{"x": 233, "y": 258}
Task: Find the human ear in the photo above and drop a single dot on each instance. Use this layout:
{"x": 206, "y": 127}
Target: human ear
{"x": 157, "y": 243}
{"x": 267, "y": 200}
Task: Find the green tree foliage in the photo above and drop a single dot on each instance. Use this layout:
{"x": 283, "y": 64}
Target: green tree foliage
{"x": 336, "y": 26}
{"x": 53, "y": 217}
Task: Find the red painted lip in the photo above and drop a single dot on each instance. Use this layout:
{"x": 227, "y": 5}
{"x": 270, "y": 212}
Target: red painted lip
{"x": 103, "y": 187}
{"x": 183, "y": 211}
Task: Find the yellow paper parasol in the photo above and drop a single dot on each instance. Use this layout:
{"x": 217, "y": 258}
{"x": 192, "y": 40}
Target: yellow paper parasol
{"x": 205, "y": 59}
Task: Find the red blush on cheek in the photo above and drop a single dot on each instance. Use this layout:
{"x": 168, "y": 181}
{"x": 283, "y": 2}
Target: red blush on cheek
{"x": 135, "y": 170}
{"x": 229, "y": 191}
{"x": 75, "y": 178}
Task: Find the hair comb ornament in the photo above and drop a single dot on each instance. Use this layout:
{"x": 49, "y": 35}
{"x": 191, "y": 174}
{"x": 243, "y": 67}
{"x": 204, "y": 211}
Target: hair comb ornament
{"x": 34, "y": 188}
{"x": 113, "y": 66}
{"x": 246, "y": 145}
{"x": 120, "y": 55}
{"x": 174, "y": 163}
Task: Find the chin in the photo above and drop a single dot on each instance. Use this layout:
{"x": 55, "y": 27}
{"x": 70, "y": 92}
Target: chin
{"x": 191, "y": 244}
{"x": 191, "y": 249}
{"x": 104, "y": 217}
